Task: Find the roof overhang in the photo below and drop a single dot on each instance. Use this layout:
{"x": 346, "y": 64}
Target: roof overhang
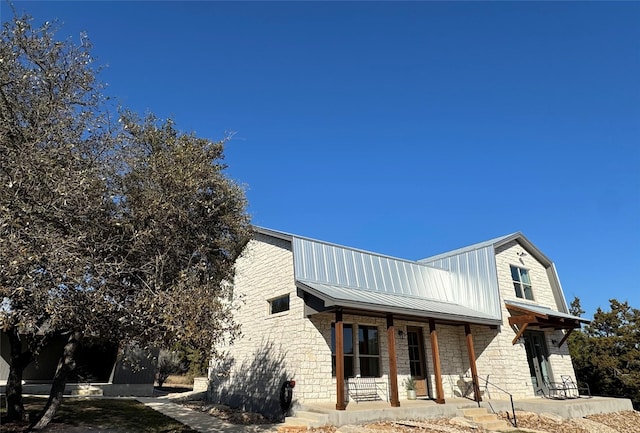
{"x": 409, "y": 307}
{"x": 524, "y": 315}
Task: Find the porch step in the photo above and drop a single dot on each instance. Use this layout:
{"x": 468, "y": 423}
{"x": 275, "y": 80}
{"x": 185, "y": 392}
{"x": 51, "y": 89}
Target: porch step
{"x": 470, "y": 412}
{"x": 305, "y": 418}
{"x": 487, "y": 421}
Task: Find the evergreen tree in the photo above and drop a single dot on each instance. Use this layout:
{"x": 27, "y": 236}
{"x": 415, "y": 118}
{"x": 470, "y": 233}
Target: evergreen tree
{"x": 606, "y": 354}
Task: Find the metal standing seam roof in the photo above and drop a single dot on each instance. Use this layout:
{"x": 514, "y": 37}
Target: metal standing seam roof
{"x": 468, "y": 263}
{"x": 495, "y": 242}
{"x": 477, "y": 246}
{"x": 390, "y": 303}
{"x": 349, "y": 277}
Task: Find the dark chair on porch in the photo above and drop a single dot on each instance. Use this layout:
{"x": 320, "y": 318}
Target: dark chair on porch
{"x": 573, "y": 390}
{"x": 555, "y": 390}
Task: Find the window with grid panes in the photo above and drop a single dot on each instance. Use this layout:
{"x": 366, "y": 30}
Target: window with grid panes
{"x": 521, "y": 282}
{"x": 414, "y": 354}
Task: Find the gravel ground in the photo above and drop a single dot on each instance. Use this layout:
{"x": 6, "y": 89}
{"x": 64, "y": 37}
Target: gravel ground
{"x": 225, "y": 413}
{"x": 617, "y": 422}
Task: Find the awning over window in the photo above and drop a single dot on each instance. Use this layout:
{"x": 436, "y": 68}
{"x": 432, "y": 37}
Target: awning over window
{"x": 524, "y": 315}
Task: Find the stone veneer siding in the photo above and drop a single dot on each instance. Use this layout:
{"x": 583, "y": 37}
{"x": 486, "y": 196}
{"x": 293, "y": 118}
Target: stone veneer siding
{"x": 273, "y": 347}
{"x": 287, "y": 345}
{"x": 513, "y": 253}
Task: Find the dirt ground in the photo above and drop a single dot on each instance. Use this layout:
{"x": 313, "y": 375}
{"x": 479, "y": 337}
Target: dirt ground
{"x": 618, "y": 422}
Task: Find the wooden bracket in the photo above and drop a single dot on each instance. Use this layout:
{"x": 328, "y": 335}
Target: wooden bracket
{"x": 519, "y": 334}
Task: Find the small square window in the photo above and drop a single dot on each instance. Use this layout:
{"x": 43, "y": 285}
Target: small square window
{"x": 279, "y": 304}
{"x": 521, "y": 282}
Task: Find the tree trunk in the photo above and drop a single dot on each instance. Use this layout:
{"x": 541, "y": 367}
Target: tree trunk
{"x": 65, "y": 366}
{"x": 18, "y": 362}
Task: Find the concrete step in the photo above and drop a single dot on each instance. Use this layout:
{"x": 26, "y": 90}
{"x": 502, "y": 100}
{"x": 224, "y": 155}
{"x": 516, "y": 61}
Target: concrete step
{"x": 484, "y": 419}
{"x": 487, "y": 417}
{"x": 306, "y": 418}
{"x": 471, "y": 411}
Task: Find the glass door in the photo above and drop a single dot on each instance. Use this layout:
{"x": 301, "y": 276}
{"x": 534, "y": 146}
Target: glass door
{"x": 416, "y": 360}
{"x": 538, "y": 359}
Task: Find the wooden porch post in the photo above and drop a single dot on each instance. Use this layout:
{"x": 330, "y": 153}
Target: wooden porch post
{"x": 393, "y": 368}
{"x": 437, "y": 371}
{"x": 472, "y": 363}
{"x": 339, "y": 334}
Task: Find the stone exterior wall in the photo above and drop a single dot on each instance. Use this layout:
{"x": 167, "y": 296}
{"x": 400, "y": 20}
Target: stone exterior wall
{"x": 514, "y": 254}
{"x": 273, "y": 348}
{"x": 287, "y": 345}
{"x": 560, "y": 360}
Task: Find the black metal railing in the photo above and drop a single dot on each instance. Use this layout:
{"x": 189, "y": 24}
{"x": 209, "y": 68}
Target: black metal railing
{"x": 513, "y": 421}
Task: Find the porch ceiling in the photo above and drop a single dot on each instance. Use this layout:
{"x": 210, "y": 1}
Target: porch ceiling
{"x": 402, "y": 305}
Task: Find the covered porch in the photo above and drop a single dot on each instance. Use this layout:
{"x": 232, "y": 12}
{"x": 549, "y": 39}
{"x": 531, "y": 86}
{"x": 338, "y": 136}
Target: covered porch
{"x": 391, "y": 335}
{"x": 415, "y": 316}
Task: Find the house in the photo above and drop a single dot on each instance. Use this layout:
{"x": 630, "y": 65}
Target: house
{"x": 344, "y": 323}
{"x": 101, "y": 369}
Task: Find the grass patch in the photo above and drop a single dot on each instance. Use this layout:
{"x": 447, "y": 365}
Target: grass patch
{"x": 101, "y": 415}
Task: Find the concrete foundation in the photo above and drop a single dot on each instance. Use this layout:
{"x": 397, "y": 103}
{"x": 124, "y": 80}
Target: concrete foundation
{"x": 416, "y": 409}
{"x": 570, "y": 408}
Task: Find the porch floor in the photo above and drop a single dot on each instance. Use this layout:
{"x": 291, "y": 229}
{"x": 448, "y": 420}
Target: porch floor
{"x": 364, "y": 412}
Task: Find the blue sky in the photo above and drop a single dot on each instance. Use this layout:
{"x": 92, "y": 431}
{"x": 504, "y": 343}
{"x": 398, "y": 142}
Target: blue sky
{"x": 407, "y": 129}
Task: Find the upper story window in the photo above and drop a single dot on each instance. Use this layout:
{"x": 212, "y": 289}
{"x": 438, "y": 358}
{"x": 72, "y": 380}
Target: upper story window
{"x": 521, "y": 282}
{"x": 279, "y": 304}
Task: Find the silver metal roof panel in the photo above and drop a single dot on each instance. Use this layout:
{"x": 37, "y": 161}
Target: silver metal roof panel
{"x": 474, "y": 281}
{"x": 496, "y": 242}
{"x": 336, "y": 266}
{"x": 340, "y": 266}
{"x": 393, "y": 303}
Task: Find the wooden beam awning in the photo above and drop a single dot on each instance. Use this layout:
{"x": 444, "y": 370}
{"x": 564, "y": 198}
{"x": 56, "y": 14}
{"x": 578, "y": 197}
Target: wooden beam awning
{"x": 525, "y": 315}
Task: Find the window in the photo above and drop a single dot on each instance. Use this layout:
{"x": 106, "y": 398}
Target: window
{"x": 366, "y": 351}
{"x": 521, "y": 282}
{"x": 280, "y": 304}
{"x": 347, "y": 344}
